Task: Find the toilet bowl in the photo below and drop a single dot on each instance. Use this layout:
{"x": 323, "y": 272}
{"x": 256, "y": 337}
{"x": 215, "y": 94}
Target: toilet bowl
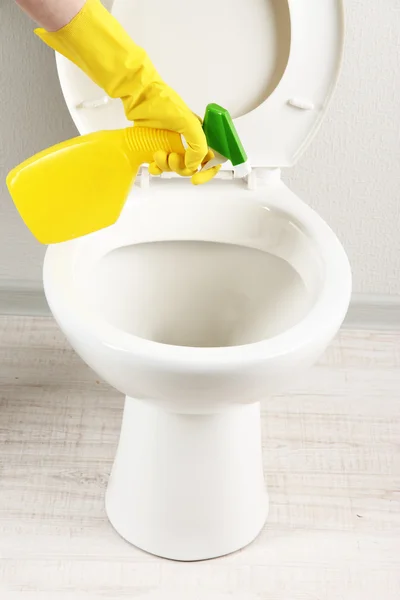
{"x": 199, "y": 303}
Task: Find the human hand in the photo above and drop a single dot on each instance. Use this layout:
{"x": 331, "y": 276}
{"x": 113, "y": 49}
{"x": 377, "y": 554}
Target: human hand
{"x": 96, "y": 42}
{"x": 160, "y": 107}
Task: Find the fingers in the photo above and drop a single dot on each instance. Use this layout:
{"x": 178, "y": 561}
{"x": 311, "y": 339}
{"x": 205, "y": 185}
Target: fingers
{"x": 204, "y": 176}
{"x": 209, "y": 156}
{"x": 201, "y": 177}
{"x": 160, "y": 164}
{"x": 197, "y": 144}
{"x": 177, "y": 164}
{"x": 164, "y": 163}
{"x": 154, "y": 169}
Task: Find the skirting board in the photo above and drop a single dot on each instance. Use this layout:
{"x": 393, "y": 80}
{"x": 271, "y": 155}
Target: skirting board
{"x": 367, "y": 311}
{"x": 23, "y": 299}
{"x": 373, "y": 311}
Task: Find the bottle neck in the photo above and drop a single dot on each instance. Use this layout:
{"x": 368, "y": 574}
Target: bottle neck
{"x": 144, "y": 142}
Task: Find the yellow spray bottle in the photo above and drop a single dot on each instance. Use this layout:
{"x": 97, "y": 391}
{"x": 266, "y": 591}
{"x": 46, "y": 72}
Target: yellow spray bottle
{"x": 81, "y": 185}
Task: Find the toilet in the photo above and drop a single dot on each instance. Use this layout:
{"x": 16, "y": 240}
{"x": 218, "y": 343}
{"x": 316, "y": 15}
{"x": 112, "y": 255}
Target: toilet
{"x": 202, "y": 302}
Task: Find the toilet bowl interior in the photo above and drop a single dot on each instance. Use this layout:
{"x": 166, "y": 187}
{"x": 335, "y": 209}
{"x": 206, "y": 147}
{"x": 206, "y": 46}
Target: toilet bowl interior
{"x": 237, "y": 277}
{"x": 200, "y": 294}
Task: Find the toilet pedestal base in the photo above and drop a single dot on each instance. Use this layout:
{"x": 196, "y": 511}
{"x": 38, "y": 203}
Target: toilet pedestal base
{"x": 188, "y": 487}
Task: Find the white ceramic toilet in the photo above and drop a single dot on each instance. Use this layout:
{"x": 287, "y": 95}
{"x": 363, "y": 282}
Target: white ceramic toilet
{"x": 202, "y": 302}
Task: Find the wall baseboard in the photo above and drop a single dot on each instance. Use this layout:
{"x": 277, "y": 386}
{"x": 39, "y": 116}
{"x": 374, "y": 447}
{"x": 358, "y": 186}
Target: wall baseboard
{"x": 23, "y": 299}
{"x": 373, "y": 311}
{"x": 367, "y": 311}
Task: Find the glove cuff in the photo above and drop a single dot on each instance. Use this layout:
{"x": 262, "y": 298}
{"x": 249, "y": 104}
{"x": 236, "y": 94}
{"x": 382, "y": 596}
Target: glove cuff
{"x": 96, "y": 42}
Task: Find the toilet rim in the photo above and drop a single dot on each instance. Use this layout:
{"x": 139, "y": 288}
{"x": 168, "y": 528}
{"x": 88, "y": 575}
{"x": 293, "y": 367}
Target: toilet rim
{"x": 322, "y": 320}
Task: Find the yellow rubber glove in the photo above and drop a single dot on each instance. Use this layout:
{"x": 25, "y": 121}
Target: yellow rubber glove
{"x": 96, "y": 42}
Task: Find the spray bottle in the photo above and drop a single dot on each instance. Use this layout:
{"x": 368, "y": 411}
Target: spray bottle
{"x": 81, "y": 185}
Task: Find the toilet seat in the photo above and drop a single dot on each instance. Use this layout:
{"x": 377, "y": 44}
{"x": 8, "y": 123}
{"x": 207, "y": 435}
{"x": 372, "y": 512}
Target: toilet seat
{"x": 274, "y": 133}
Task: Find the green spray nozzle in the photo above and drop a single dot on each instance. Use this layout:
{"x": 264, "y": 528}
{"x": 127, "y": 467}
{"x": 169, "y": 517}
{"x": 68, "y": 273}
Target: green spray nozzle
{"x": 223, "y": 138}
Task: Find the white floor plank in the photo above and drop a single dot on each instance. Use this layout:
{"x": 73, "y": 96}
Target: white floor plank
{"x": 332, "y": 462}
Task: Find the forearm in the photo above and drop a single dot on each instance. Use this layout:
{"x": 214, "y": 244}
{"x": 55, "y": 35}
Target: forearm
{"x": 51, "y": 14}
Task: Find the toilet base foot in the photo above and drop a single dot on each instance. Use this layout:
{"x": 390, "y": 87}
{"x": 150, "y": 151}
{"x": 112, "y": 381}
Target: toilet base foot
{"x": 188, "y": 487}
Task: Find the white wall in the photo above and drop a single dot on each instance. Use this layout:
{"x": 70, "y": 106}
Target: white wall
{"x": 32, "y": 117}
{"x": 350, "y": 174}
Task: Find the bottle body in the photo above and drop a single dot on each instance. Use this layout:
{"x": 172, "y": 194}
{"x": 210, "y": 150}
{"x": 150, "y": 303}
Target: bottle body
{"x": 81, "y": 185}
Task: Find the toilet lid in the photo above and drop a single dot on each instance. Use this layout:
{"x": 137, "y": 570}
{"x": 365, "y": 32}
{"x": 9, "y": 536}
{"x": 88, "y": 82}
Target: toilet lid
{"x": 272, "y": 63}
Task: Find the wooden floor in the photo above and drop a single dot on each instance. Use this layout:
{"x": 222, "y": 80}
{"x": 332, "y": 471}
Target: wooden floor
{"x": 332, "y": 462}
